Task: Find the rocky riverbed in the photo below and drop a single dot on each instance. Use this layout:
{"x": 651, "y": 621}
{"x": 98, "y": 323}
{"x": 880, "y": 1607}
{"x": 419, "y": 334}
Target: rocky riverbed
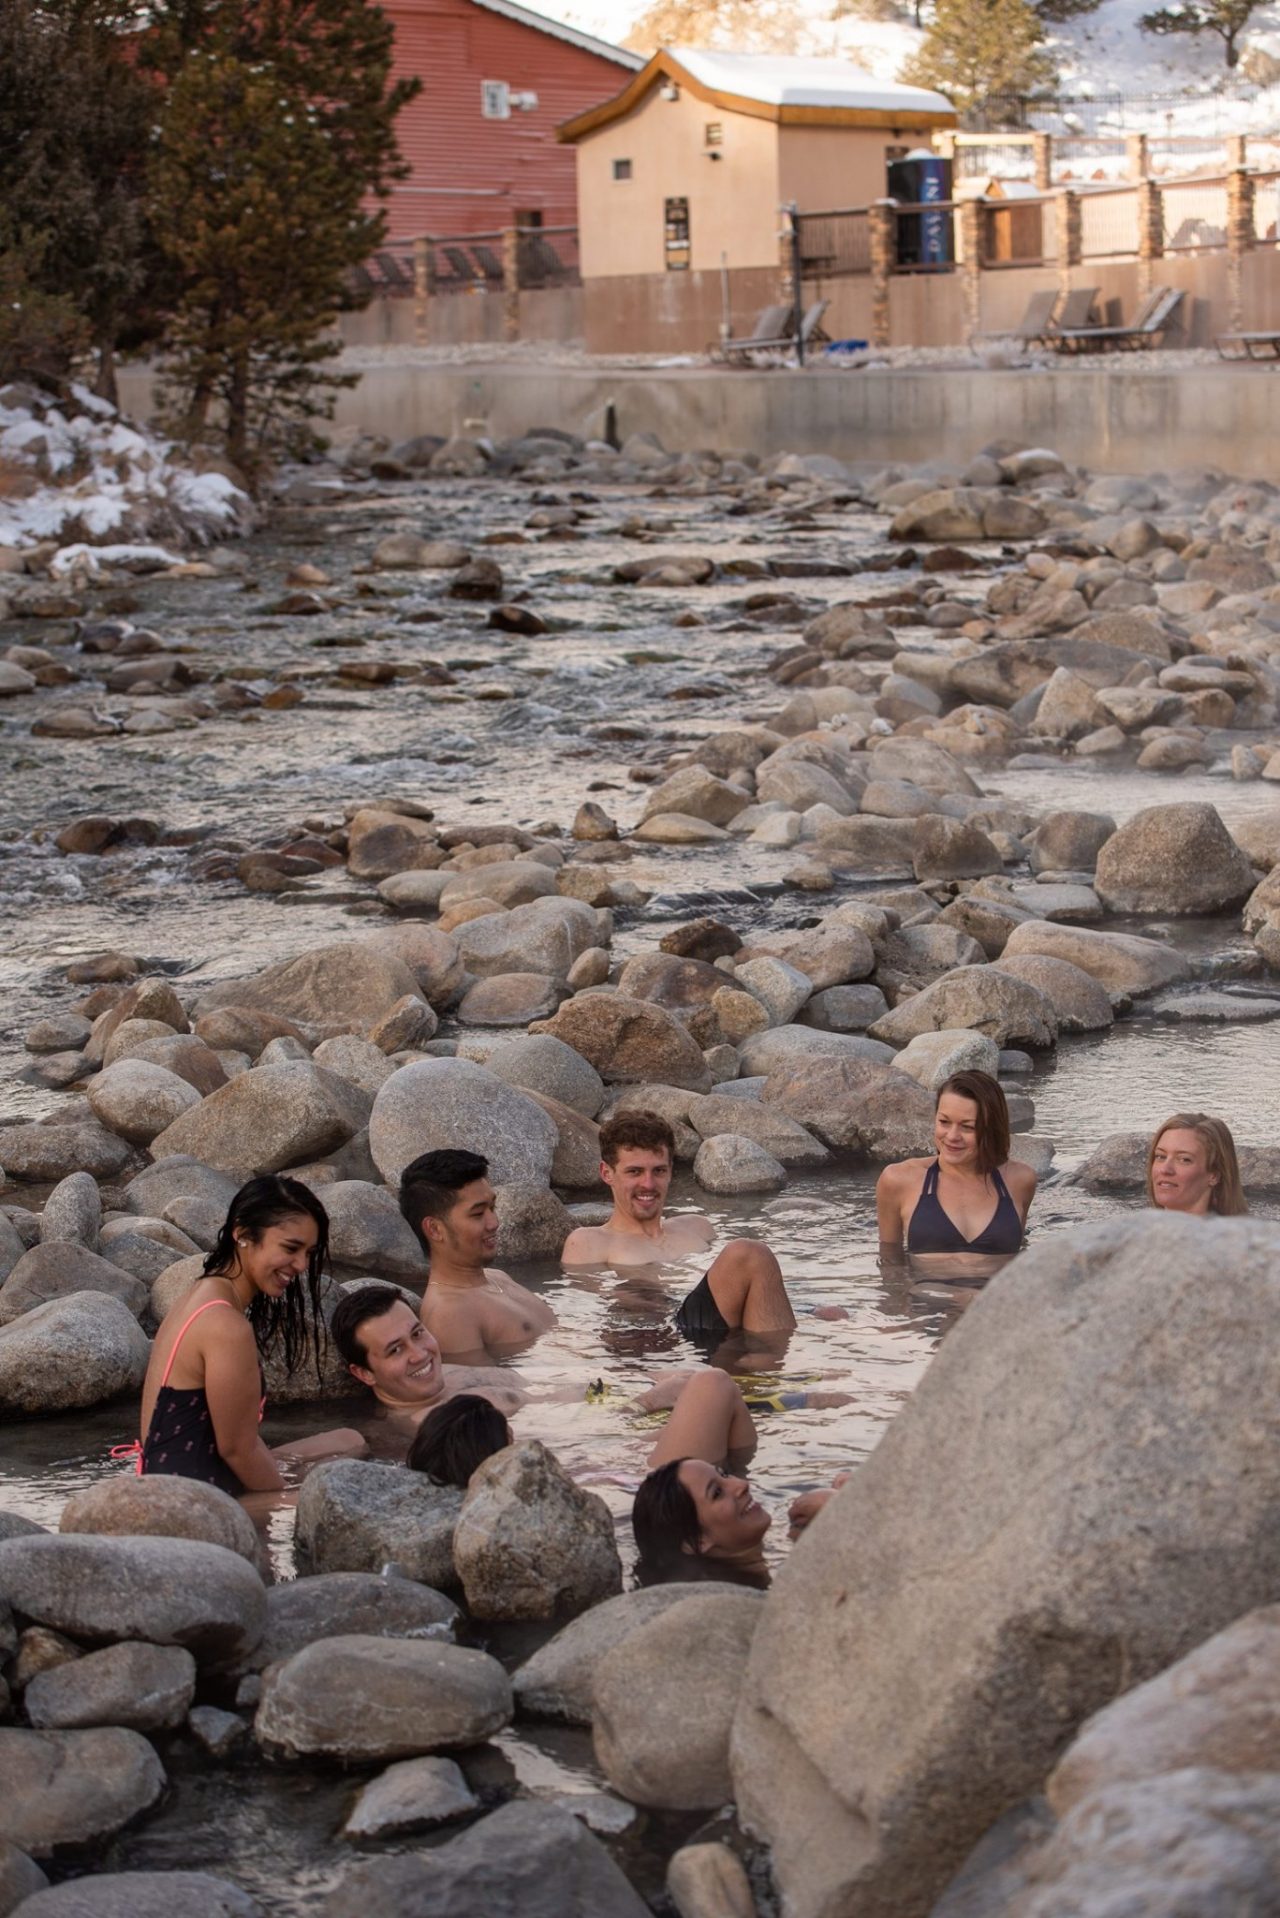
{"x": 483, "y": 790}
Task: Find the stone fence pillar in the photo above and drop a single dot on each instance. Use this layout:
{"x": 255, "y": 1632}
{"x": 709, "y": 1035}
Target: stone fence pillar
{"x": 511, "y": 283}
{"x": 1042, "y": 155}
{"x": 421, "y": 291}
{"x": 973, "y": 233}
{"x": 884, "y": 233}
{"x": 1136, "y": 163}
{"x": 1237, "y": 151}
{"x": 1241, "y": 239}
{"x": 1150, "y": 234}
{"x": 1068, "y": 211}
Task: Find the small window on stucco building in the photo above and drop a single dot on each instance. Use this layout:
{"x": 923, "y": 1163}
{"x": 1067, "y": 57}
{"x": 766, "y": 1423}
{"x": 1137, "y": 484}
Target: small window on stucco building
{"x": 676, "y": 227}
{"x": 622, "y": 169}
{"x": 713, "y": 135}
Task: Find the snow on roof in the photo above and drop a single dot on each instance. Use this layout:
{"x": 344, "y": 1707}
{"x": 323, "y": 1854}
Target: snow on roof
{"x": 799, "y": 80}
{"x": 557, "y": 28}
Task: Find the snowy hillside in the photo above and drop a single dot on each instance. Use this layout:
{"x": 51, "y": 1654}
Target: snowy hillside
{"x": 1101, "y": 53}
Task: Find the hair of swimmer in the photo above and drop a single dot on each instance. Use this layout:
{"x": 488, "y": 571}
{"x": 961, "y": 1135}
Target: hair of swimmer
{"x": 430, "y": 1184}
{"x": 992, "y": 1135}
{"x": 457, "y": 1438}
{"x": 354, "y": 1309}
{"x": 640, "y": 1130}
{"x": 261, "y": 1203}
{"x": 1227, "y": 1197}
{"x": 664, "y": 1520}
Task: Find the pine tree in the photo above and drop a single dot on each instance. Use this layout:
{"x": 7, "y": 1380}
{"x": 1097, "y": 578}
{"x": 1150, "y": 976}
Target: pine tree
{"x": 276, "y": 128}
{"x": 75, "y": 119}
{"x": 975, "y": 50}
{"x": 1227, "y": 18}
{"x": 757, "y": 26}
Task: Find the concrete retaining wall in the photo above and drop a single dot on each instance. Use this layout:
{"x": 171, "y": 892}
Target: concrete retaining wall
{"x": 1112, "y": 416}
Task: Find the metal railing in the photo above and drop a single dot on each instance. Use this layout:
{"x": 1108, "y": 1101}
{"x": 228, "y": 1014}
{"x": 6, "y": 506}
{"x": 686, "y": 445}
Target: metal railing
{"x": 472, "y": 262}
{"x": 834, "y": 245}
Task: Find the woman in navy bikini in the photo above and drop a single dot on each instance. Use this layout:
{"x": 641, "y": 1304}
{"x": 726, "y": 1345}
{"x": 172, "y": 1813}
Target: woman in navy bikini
{"x": 963, "y": 1212}
{"x": 202, "y": 1396}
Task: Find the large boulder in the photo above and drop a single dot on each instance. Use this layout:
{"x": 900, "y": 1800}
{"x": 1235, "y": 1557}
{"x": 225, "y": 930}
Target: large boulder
{"x": 529, "y": 1857}
{"x": 855, "y": 1105}
{"x": 73, "y": 1351}
{"x": 307, "y": 1610}
{"x": 539, "y": 1063}
{"x": 558, "y": 1681}
{"x": 368, "y": 1231}
{"x": 436, "y": 1103}
{"x": 781, "y": 1137}
{"x": 146, "y": 1687}
{"x": 143, "y": 1894}
{"x": 178, "y": 1178}
{"x": 52, "y": 1272}
{"x": 529, "y": 1543}
{"x": 168, "y": 1591}
{"x": 665, "y": 1699}
{"x": 355, "y": 1515}
{"x": 931, "y": 1057}
{"x": 828, "y": 955}
{"x": 766, "y": 1052}
{"x": 699, "y": 793}
{"x": 139, "y": 1100}
{"x": 156, "y": 1506}
{"x": 360, "y": 1698}
{"x": 1174, "y": 859}
{"x": 339, "y": 988}
{"x": 545, "y": 936}
{"x": 509, "y": 883}
{"x": 629, "y": 1041}
{"x": 1076, "y": 1574}
{"x": 1069, "y": 841}
{"x": 73, "y": 1212}
{"x": 1006, "y": 1009}
{"x": 46, "y": 1153}
{"x": 1119, "y": 962}
{"x": 432, "y": 957}
{"x": 1080, "y": 1002}
{"x": 67, "y": 1789}
{"x": 268, "y": 1119}
{"x": 732, "y": 1163}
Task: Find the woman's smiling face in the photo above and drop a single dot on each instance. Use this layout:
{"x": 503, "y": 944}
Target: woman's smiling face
{"x": 730, "y": 1520}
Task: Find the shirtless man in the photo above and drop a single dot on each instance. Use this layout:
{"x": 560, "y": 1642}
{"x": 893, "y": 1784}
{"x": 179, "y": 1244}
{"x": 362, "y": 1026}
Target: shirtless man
{"x": 476, "y": 1314}
{"x": 741, "y": 1289}
{"x": 386, "y": 1346}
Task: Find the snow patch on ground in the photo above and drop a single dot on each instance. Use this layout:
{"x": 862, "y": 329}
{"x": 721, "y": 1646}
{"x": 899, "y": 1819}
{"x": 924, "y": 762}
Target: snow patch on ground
{"x": 75, "y": 471}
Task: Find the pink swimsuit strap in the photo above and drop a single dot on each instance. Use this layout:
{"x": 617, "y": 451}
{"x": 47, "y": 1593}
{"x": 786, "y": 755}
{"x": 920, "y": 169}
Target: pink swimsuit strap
{"x": 185, "y": 1329}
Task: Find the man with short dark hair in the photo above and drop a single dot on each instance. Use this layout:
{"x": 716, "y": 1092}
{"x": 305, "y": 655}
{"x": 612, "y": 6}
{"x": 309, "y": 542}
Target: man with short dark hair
{"x": 741, "y": 1291}
{"x": 386, "y": 1346}
{"x": 477, "y": 1313}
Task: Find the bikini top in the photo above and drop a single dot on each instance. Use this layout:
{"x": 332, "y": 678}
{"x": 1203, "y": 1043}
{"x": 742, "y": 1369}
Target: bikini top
{"x": 931, "y": 1229}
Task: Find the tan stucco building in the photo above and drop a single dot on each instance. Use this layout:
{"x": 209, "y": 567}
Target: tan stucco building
{"x": 686, "y": 168}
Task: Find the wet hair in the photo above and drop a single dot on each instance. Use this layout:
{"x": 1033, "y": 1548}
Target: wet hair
{"x": 664, "y": 1520}
{"x": 430, "y": 1184}
{"x": 354, "y": 1309}
{"x": 456, "y": 1438}
{"x": 287, "y": 1322}
{"x": 641, "y": 1129}
{"x": 1227, "y": 1197}
{"x": 991, "y": 1135}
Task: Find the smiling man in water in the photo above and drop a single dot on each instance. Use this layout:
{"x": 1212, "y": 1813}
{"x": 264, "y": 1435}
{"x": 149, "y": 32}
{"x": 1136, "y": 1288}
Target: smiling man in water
{"x": 741, "y": 1290}
{"x": 386, "y": 1346}
{"x": 475, "y": 1312}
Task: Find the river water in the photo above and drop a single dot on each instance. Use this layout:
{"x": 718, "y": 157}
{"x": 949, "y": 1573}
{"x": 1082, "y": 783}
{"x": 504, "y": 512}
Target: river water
{"x": 523, "y": 731}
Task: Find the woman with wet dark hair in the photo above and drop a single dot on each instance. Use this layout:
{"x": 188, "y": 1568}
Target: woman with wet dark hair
{"x": 456, "y": 1438}
{"x": 259, "y": 1296}
{"x": 693, "y": 1520}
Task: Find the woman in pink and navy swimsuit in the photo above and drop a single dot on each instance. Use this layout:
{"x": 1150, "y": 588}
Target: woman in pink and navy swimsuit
{"x": 202, "y": 1397}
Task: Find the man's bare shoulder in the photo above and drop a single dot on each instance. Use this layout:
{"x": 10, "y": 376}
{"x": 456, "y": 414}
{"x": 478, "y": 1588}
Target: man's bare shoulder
{"x": 585, "y": 1245}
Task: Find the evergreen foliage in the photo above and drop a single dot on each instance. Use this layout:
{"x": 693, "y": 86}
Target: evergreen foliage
{"x": 976, "y": 49}
{"x": 1226, "y": 18}
{"x": 277, "y": 125}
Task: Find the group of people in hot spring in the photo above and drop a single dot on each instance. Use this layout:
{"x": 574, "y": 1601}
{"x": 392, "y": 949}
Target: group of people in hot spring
{"x": 434, "y": 1370}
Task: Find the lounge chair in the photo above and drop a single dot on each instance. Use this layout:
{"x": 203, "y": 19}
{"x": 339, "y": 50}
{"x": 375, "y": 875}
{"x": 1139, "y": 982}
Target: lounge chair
{"x": 489, "y": 263}
{"x": 539, "y": 263}
{"x": 1248, "y": 346}
{"x": 393, "y": 273}
{"x": 1035, "y": 322}
{"x": 1151, "y": 322}
{"x": 460, "y": 267}
{"x": 812, "y": 331}
{"x": 774, "y": 327}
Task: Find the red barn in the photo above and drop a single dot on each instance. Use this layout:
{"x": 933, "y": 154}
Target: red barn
{"x": 481, "y": 136}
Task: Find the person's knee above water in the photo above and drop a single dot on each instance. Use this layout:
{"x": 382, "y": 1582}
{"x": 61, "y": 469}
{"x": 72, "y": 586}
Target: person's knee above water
{"x": 1192, "y": 1167}
{"x": 476, "y": 1312}
{"x": 742, "y": 1287}
{"x": 969, "y": 1198}
{"x": 259, "y": 1296}
{"x": 384, "y": 1344}
{"x": 456, "y": 1438}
